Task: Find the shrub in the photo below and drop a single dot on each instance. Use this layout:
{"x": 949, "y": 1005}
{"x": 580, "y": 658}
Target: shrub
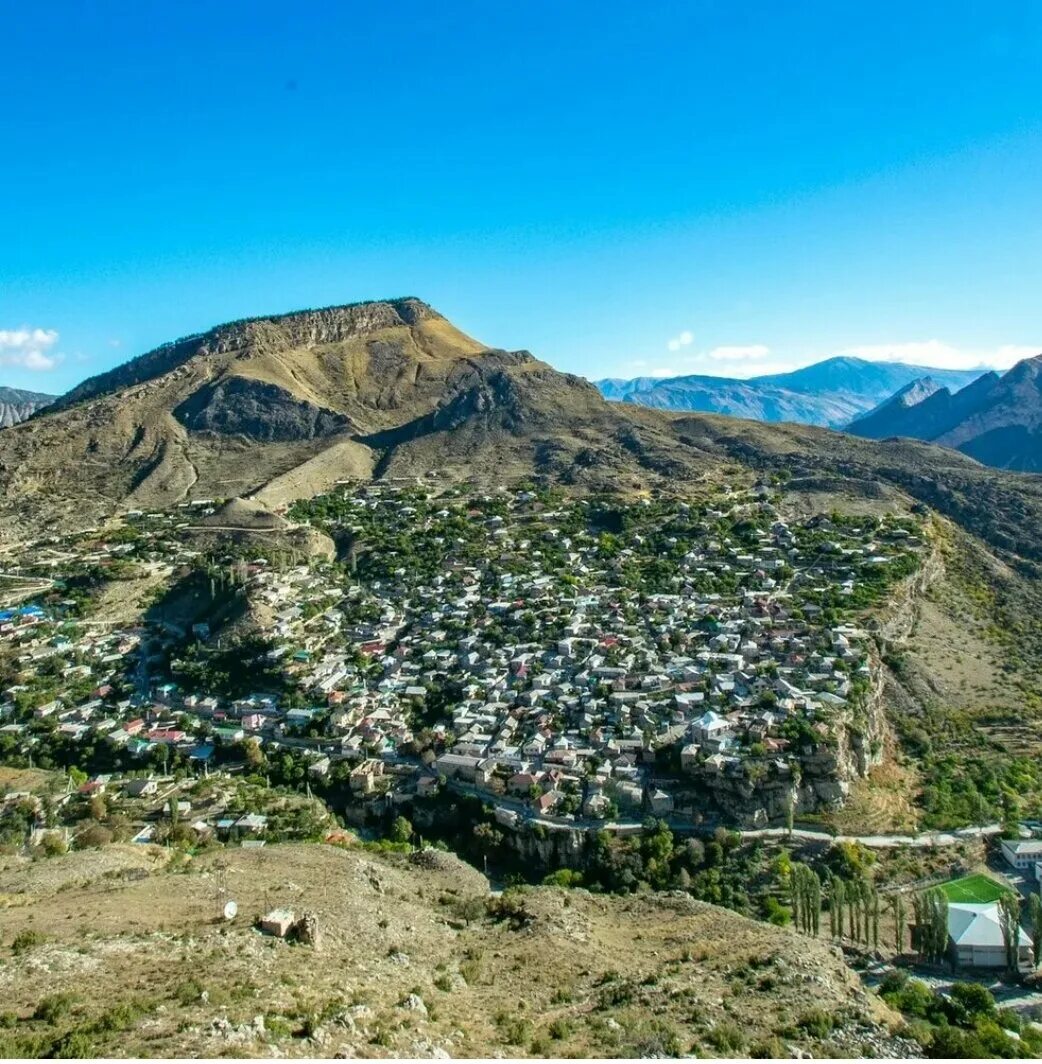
{"x": 54, "y": 1007}
{"x": 75, "y": 1045}
{"x": 726, "y": 1037}
{"x": 559, "y": 1029}
{"x": 26, "y": 940}
{"x": 816, "y": 1023}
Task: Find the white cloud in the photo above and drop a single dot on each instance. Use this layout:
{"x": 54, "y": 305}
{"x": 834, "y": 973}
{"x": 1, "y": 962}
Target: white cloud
{"x": 29, "y": 348}
{"x": 685, "y": 339}
{"x": 941, "y": 355}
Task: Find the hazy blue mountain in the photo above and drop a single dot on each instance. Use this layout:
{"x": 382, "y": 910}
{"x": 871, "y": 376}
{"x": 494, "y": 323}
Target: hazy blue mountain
{"x": 997, "y": 420}
{"x": 923, "y": 413}
{"x": 830, "y": 393}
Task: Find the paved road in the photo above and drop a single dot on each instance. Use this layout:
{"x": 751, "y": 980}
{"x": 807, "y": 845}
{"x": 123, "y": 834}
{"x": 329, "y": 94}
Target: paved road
{"x": 927, "y": 840}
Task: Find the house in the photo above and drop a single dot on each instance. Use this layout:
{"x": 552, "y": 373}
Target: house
{"x": 1022, "y": 854}
{"x": 710, "y": 727}
{"x": 460, "y": 766}
{"x": 141, "y": 788}
{"x": 976, "y": 937}
{"x": 363, "y": 778}
{"x": 252, "y": 822}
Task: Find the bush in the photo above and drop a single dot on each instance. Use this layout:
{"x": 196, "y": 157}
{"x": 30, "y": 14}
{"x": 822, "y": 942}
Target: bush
{"x": 816, "y": 1023}
{"x": 510, "y": 906}
{"x": 75, "y": 1045}
{"x": 93, "y": 837}
{"x": 54, "y": 1007}
{"x": 559, "y": 1029}
{"x": 726, "y": 1037}
{"x": 26, "y": 940}
{"x": 53, "y": 845}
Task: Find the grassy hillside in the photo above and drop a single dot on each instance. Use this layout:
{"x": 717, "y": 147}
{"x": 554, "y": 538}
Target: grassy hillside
{"x": 119, "y": 952}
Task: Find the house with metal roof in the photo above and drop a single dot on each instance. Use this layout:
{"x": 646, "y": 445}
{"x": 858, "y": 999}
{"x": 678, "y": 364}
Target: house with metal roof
{"x": 976, "y": 937}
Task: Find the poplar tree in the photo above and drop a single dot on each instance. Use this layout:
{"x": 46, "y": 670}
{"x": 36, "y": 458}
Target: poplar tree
{"x": 1009, "y": 924}
{"x": 1035, "y": 918}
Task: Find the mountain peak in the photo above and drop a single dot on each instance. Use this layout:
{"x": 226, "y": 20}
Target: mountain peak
{"x": 264, "y": 335}
{"x": 915, "y": 392}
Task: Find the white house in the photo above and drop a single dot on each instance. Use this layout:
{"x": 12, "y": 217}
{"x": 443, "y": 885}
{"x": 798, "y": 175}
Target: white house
{"x": 710, "y": 726}
{"x": 1022, "y": 854}
{"x": 976, "y": 937}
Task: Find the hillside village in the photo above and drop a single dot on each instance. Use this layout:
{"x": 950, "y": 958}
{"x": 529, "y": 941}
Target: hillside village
{"x": 564, "y": 660}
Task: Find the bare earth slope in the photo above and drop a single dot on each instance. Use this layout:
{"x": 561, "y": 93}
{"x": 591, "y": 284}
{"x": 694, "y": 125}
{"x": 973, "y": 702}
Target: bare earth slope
{"x": 282, "y": 407}
{"x": 148, "y": 970}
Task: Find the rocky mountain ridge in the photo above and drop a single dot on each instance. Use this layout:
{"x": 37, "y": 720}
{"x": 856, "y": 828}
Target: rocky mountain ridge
{"x": 280, "y": 408}
{"x": 17, "y": 404}
{"x": 997, "y": 420}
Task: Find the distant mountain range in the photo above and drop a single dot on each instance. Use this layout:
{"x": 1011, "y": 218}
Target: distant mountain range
{"x": 16, "y": 405}
{"x": 831, "y": 393}
{"x": 997, "y": 420}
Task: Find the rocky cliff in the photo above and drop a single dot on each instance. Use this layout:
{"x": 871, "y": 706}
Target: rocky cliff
{"x": 16, "y": 405}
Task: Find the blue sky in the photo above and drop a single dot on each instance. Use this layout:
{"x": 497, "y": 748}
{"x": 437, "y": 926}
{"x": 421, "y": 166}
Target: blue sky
{"x": 728, "y": 187}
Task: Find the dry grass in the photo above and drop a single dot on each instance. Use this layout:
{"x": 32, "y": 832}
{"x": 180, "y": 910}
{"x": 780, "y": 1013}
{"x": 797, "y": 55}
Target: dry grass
{"x": 582, "y": 975}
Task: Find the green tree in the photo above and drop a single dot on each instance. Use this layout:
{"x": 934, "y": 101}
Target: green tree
{"x": 401, "y": 830}
{"x": 1009, "y": 924}
{"x": 897, "y": 908}
{"x": 1035, "y": 920}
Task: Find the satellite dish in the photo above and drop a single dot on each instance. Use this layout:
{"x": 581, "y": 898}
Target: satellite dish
{"x": 230, "y": 910}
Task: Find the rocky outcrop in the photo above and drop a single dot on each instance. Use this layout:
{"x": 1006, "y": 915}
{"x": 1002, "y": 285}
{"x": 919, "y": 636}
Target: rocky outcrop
{"x": 304, "y": 328}
{"x": 240, "y": 406}
{"x": 17, "y": 405}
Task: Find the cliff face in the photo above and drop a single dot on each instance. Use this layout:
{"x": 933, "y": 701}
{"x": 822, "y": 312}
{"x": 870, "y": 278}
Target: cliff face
{"x": 17, "y": 405}
{"x": 759, "y": 794}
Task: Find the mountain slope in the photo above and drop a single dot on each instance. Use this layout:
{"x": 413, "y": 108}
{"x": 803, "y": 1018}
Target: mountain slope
{"x": 997, "y": 420}
{"x": 17, "y": 405}
{"x": 829, "y": 393}
{"x": 397, "y": 971}
{"x": 282, "y": 407}
{"x": 276, "y": 409}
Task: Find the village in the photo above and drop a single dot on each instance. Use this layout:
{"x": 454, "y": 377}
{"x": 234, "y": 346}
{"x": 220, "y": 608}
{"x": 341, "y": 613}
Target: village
{"x": 570, "y": 667}
{"x": 571, "y": 660}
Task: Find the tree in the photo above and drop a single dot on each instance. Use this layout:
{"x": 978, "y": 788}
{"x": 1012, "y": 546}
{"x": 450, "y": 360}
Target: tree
{"x": 805, "y": 887}
{"x": 897, "y": 907}
{"x": 931, "y": 923}
{"x": 1035, "y": 919}
{"x": 252, "y": 753}
{"x": 401, "y": 830}
{"x": 1009, "y": 924}
{"x": 837, "y": 900}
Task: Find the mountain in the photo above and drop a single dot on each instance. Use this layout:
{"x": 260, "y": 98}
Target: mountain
{"x": 16, "y": 405}
{"x": 922, "y": 413}
{"x": 279, "y": 408}
{"x": 282, "y": 407}
{"x": 829, "y": 393}
{"x": 997, "y": 420}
